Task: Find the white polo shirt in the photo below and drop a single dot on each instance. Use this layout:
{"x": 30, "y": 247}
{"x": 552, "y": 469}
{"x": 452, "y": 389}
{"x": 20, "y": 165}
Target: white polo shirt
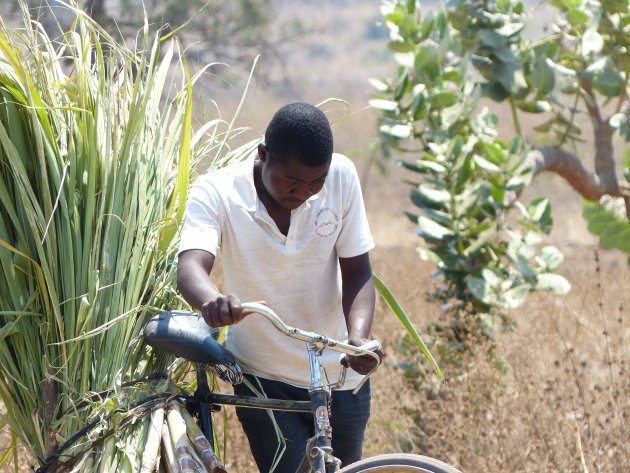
{"x": 297, "y": 275}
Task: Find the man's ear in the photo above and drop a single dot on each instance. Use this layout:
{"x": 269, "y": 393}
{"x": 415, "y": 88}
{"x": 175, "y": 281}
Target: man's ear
{"x": 262, "y": 152}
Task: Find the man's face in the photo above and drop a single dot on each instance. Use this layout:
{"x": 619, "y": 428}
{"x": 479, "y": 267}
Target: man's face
{"x": 291, "y": 183}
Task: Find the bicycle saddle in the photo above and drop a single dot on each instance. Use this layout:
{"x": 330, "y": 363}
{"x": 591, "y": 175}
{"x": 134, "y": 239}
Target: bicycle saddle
{"x": 186, "y": 335}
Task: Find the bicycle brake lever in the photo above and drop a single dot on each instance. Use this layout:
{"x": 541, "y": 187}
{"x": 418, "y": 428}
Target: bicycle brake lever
{"x": 364, "y": 379}
{"x": 372, "y": 345}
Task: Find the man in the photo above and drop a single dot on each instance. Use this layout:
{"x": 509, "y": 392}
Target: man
{"x": 290, "y": 227}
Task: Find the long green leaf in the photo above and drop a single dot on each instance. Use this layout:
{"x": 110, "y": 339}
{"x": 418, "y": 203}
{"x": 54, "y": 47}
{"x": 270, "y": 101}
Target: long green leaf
{"x": 400, "y": 314}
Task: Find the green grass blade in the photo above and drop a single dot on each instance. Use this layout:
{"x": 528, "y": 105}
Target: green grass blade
{"x": 398, "y": 311}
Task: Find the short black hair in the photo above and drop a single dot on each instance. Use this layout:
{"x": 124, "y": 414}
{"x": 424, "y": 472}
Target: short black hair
{"x": 299, "y": 131}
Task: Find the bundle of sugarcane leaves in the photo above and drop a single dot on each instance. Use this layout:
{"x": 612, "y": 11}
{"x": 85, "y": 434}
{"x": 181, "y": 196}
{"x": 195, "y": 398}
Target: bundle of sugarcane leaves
{"x": 96, "y": 155}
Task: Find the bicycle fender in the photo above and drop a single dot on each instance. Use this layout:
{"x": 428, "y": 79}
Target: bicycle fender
{"x": 186, "y": 335}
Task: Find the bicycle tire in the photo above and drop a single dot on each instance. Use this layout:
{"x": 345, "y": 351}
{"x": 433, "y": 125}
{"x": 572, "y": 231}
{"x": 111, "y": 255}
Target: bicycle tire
{"x": 399, "y": 463}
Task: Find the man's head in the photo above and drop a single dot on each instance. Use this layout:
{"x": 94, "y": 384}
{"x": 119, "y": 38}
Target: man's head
{"x": 299, "y": 132}
{"x": 297, "y": 154}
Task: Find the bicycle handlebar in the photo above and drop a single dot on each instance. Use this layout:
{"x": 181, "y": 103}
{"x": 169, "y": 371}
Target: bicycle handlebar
{"x": 367, "y": 349}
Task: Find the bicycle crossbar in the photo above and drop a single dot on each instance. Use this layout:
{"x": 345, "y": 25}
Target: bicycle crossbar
{"x": 259, "y": 403}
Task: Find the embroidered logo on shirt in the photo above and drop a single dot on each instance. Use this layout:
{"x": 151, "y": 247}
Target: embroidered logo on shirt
{"x": 326, "y": 222}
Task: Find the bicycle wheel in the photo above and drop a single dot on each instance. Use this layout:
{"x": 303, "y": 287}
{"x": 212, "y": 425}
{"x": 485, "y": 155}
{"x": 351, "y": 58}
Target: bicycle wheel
{"x": 399, "y": 463}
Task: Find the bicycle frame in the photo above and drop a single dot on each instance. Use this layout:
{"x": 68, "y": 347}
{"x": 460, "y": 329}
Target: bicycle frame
{"x": 318, "y": 455}
{"x": 189, "y": 342}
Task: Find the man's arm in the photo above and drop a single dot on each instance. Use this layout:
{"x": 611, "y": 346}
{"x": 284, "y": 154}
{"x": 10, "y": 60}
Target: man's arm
{"x": 358, "y": 300}
{"x": 193, "y": 282}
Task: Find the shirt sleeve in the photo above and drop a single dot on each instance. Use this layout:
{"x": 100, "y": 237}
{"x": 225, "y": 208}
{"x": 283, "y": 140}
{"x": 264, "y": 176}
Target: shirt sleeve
{"x": 202, "y": 226}
{"x": 355, "y": 237}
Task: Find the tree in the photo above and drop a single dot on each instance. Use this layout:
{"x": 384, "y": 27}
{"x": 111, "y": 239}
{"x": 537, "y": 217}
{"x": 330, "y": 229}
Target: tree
{"x": 467, "y": 176}
{"x": 234, "y": 32}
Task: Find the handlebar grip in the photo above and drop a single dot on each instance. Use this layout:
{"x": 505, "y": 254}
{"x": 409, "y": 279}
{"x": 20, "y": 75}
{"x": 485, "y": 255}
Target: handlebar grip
{"x": 372, "y": 346}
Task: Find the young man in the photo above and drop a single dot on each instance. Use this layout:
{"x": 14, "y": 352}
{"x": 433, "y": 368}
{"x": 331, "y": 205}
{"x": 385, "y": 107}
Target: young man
{"x": 290, "y": 227}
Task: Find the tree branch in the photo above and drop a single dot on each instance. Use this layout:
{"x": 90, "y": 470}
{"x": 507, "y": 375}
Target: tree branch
{"x": 588, "y": 184}
{"x": 603, "y": 134}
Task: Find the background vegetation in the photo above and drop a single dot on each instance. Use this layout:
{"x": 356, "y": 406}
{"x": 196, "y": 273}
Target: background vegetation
{"x": 554, "y": 396}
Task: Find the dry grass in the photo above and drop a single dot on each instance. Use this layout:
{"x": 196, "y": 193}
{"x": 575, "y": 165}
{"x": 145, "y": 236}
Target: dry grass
{"x": 563, "y": 403}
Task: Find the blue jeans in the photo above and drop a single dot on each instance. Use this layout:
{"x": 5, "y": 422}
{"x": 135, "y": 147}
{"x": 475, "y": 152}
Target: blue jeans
{"x": 349, "y": 418}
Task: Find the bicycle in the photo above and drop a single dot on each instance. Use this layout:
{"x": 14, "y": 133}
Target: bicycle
{"x": 186, "y": 335}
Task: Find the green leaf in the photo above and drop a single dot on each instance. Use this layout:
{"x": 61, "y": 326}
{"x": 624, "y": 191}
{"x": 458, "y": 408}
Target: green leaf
{"x": 553, "y": 283}
{"x": 597, "y": 67}
{"x": 551, "y": 258}
{"x": 510, "y": 29}
{"x": 539, "y": 106}
{"x": 510, "y": 76}
{"x": 385, "y": 105}
{"x": 617, "y": 235}
{"x": 379, "y": 85}
{"x": 451, "y": 115}
{"x": 516, "y": 296}
{"x": 617, "y": 120}
{"x": 405, "y": 59}
{"x": 592, "y": 42}
{"x": 615, "y": 6}
{"x": 479, "y": 288}
{"x": 543, "y": 77}
{"x": 494, "y": 91}
{"x": 577, "y": 17}
{"x": 492, "y": 276}
{"x": 427, "y": 54}
{"x": 609, "y": 82}
{"x": 526, "y": 270}
{"x": 411, "y": 216}
{"x": 516, "y": 183}
{"x": 403, "y": 318}
{"x": 598, "y": 218}
{"x": 438, "y": 216}
{"x": 492, "y": 38}
{"x": 432, "y": 257}
{"x": 430, "y": 166}
{"x": 397, "y": 131}
{"x": 494, "y": 152}
{"x": 484, "y": 237}
{"x": 410, "y": 166}
{"x": 401, "y": 46}
{"x": 486, "y": 165}
{"x": 444, "y": 99}
{"x": 432, "y": 230}
{"x": 431, "y": 194}
{"x": 428, "y": 23}
{"x": 540, "y": 212}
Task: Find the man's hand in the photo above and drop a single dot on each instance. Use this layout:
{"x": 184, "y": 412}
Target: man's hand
{"x": 223, "y": 310}
{"x": 362, "y": 364}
